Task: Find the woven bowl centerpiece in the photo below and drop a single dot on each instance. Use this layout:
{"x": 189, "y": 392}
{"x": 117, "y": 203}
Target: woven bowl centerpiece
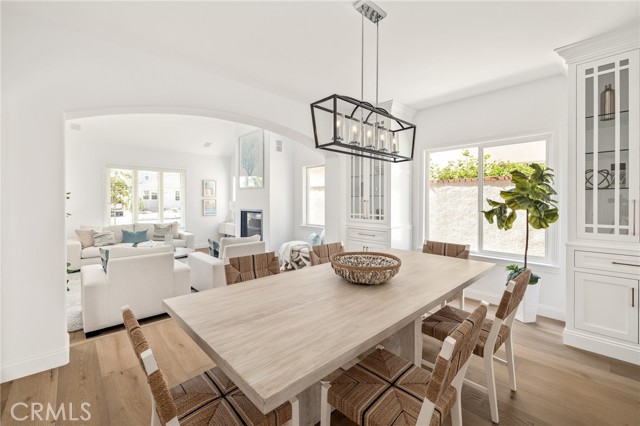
{"x": 365, "y": 267}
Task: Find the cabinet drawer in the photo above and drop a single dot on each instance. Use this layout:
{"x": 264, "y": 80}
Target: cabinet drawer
{"x": 368, "y": 234}
{"x": 360, "y": 245}
{"x": 608, "y": 262}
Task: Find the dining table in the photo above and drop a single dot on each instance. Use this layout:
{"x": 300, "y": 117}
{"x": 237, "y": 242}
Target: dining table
{"x": 278, "y": 336}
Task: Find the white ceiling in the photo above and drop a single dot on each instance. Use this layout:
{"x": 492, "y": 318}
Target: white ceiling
{"x": 183, "y": 133}
{"x": 431, "y": 52}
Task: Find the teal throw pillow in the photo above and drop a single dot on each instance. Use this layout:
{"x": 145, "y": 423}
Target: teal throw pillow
{"x": 134, "y": 237}
{"x": 314, "y": 239}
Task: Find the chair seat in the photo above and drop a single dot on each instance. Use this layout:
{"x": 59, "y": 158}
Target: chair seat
{"x": 366, "y": 393}
{"x": 442, "y": 323}
{"x": 211, "y": 398}
{"x": 398, "y": 408}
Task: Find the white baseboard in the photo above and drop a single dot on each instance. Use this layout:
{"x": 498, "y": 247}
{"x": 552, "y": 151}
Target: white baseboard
{"x": 551, "y": 312}
{"x": 543, "y": 310}
{"x": 35, "y": 365}
{"x": 627, "y": 352}
{"x": 479, "y": 295}
{"x": 201, "y": 246}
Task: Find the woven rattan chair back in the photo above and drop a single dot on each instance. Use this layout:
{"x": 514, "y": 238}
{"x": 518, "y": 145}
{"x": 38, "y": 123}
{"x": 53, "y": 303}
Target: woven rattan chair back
{"x": 322, "y": 253}
{"x": 446, "y": 249}
{"x": 451, "y": 361}
{"x": 511, "y": 299}
{"x": 245, "y": 268}
{"x": 164, "y": 405}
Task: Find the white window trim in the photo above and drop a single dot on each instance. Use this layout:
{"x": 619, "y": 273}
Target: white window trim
{"x": 135, "y": 181}
{"x": 551, "y": 234}
{"x": 304, "y": 196}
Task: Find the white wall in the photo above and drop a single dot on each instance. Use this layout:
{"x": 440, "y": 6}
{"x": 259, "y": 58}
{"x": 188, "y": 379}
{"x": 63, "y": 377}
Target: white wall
{"x": 86, "y": 179}
{"x": 525, "y": 109}
{"x": 48, "y": 72}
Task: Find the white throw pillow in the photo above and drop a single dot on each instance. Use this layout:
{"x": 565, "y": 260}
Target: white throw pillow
{"x": 103, "y": 238}
{"x": 160, "y": 231}
{"x": 85, "y": 236}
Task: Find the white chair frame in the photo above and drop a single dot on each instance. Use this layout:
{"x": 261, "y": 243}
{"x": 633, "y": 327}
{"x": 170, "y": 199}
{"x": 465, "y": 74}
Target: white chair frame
{"x": 489, "y": 357}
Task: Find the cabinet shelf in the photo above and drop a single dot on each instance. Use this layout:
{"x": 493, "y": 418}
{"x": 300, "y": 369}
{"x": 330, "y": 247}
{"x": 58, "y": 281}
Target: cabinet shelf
{"x": 608, "y": 151}
{"x": 614, "y": 115}
{"x": 607, "y": 189}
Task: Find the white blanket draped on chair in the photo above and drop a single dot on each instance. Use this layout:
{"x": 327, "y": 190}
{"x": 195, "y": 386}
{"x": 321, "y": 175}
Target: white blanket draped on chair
{"x": 294, "y": 255}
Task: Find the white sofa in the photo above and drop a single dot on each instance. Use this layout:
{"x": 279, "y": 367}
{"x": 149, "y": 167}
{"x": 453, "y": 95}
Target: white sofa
{"x": 78, "y": 256}
{"x": 207, "y": 272}
{"x": 141, "y": 281}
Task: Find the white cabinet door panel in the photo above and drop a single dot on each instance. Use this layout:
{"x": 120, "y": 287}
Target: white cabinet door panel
{"x": 607, "y": 305}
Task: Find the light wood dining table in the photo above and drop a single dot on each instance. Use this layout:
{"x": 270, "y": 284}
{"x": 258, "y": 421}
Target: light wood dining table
{"x": 276, "y": 337}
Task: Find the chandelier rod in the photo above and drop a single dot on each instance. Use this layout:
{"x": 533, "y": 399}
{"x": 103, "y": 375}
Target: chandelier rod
{"x": 377, "y": 57}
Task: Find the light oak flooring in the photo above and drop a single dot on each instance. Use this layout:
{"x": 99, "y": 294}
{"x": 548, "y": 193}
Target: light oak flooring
{"x": 557, "y": 385}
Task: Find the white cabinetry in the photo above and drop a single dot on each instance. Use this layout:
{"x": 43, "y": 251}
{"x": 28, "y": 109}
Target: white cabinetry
{"x": 603, "y": 249}
{"x": 378, "y": 213}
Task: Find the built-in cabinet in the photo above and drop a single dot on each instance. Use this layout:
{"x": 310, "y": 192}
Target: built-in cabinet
{"x": 378, "y": 205}
{"x": 603, "y": 249}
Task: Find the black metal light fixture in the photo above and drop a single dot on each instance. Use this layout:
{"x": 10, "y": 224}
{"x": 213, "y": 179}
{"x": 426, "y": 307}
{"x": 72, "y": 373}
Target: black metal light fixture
{"x": 355, "y": 127}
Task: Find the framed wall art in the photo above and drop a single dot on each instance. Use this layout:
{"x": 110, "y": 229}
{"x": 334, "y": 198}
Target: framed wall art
{"x": 208, "y": 188}
{"x": 251, "y": 160}
{"x": 209, "y": 207}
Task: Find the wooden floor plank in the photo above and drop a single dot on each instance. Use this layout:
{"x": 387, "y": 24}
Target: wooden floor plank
{"x": 40, "y": 388}
{"x": 79, "y": 383}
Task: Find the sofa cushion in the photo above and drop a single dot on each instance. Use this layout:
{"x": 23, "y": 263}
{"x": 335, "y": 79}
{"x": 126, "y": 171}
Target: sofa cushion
{"x": 103, "y": 238}
{"x": 85, "y": 236}
{"x": 117, "y": 231}
{"x": 90, "y": 252}
{"x": 134, "y": 236}
{"x": 179, "y": 243}
{"x": 161, "y": 230}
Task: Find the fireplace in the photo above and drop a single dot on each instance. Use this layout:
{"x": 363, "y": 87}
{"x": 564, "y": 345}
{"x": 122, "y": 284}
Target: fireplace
{"x": 250, "y": 223}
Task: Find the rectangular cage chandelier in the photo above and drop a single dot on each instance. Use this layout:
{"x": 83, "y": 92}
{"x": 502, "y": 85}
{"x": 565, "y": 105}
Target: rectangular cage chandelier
{"x": 349, "y": 126}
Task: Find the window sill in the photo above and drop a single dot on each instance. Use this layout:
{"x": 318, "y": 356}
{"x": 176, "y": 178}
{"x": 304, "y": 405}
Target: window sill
{"x": 304, "y": 225}
{"x": 504, "y": 261}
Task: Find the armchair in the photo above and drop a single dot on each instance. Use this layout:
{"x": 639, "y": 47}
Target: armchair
{"x": 140, "y": 281}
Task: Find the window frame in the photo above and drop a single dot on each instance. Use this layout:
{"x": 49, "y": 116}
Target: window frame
{"x": 138, "y": 195}
{"x": 551, "y": 233}
{"x": 305, "y": 218}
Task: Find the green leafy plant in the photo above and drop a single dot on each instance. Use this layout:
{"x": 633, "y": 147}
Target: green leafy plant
{"x": 532, "y": 194}
{"x": 467, "y": 167}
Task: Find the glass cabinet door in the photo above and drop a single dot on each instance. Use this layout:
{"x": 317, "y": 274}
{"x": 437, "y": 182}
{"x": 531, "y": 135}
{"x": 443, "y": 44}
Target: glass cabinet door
{"x": 367, "y": 188}
{"x": 607, "y": 132}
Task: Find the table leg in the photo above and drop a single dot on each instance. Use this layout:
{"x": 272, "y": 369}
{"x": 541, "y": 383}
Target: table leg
{"x": 309, "y": 405}
{"x": 407, "y": 342}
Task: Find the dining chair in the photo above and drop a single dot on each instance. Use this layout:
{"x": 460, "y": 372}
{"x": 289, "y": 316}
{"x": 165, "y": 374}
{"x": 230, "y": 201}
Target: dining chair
{"x": 210, "y": 398}
{"x": 245, "y": 268}
{"x": 322, "y": 253}
{"x": 460, "y": 251}
{"x": 493, "y": 335}
{"x": 384, "y": 389}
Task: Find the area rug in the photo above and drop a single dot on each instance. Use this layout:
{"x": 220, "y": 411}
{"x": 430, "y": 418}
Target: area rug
{"x": 74, "y": 307}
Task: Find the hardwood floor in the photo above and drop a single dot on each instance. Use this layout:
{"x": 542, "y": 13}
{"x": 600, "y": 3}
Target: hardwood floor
{"x": 557, "y": 385}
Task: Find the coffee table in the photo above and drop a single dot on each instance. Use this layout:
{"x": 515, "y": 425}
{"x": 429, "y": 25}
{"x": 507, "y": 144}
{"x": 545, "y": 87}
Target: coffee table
{"x": 182, "y": 252}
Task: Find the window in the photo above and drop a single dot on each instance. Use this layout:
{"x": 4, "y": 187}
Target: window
{"x": 459, "y": 183}
{"x": 314, "y": 195}
{"x": 145, "y": 195}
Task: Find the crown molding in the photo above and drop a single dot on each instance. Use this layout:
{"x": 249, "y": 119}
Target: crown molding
{"x": 621, "y": 40}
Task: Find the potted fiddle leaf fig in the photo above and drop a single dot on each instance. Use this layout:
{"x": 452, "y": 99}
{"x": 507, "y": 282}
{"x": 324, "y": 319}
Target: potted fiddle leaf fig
{"x": 533, "y": 196}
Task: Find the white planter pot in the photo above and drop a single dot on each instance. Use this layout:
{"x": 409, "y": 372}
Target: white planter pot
{"x": 528, "y": 308}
